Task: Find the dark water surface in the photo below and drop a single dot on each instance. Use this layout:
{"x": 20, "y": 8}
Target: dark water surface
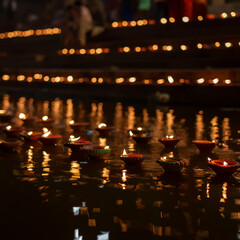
{"x": 46, "y": 193}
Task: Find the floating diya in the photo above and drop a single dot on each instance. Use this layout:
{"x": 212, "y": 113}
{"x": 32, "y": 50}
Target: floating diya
{"x": 78, "y": 126}
{"x": 169, "y": 141}
{"x": 4, "y": 116}
{"x": 10, "y": 144}
{"x": 50, "y": 139}
{"x": 31, "y": 136}
{"x": 224, "y": 167}
{"x": 76, "y": 144}
{"x": 104, "y": 130}
{"x": 46, "y": 121}
{"x": 97, "y": 152}
{"x": 13, "y": 131}
{"x": 132, "y": 158}
{"x": 28, "y": 120}
{"x": 171, "y": 164}
{"x": 204, "y": 146}
{"x": 141, "y": 138}
{"x": 139, "y": 130}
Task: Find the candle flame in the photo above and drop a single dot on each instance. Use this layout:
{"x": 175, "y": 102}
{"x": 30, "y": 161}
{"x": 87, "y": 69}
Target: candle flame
{"x": 213, "y": 141}
{"x": 124, "y": 153}
{"x": 169, "y": 137}
{"x": 130, "y": 133}
{"x": 73, "y": 139}
{"x": 225, "y": 163}
{"x": 8, "y": 127}
{"x": 164, "y": 158}
{"x": 45, "y": 118}
{"x": 30, "y": 133}
{"x": 139, "y": 129}
{"x": 46, "y": 134}
{"x": 22, "y": 116}
{"x": 102, "y": 125}
{"x": 71, "y": 122}
{"x": 209, "y": 159}
{"x": 106, "y": 147}
{"x": 45, "y": 130}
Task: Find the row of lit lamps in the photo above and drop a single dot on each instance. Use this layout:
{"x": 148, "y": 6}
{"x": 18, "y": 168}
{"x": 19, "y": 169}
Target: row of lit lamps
{"x": 118, "y": 80}
{"x": 152, "y": 48}
{"x": 54, "y": 31}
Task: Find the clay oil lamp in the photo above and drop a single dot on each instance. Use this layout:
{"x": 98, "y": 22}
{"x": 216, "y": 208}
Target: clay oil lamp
{"x": 50, "y": 139}
{"x": 98, "y": 152}
{"x": 169, "y": 141}
{"x": 223, "y": 167}
{"x": 204, "y": 145}
{"x": 76, "y": 144}
{"x": 4, "y": 116}
{"x": 78, "y": 126}
{"x": 171, "y": 164}
{"x": 13, "y": 131}
{"x": 10, "y": 145}
{"x": 31, "y": 136}
{"x": 27, "y": 120}
{"x": 132, "y": 158}
{"x": 139, "y": 130}
{"x": 3, "y": 126}
{"x": 140, "y": 138}
{"x": 46, "y": 121}
{"x": 104, "y": 130}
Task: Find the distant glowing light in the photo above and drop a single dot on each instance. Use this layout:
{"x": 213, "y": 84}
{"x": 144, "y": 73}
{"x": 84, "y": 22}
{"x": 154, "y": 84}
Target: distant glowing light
{"x": 215, "y": 81}
{"x": 137, "y": 49}
{"x": 100, "y": 80}
{"x": 47, "y": 134}
{"x": 115, "y": 24}
{"x": 185, "y": 19}
{"x": 20, "y": 78}
{"x": 5, "y": 77}
{"x": 233, "y": 14}
{"x": 172, "y": 20}
{"x": 92, "y": 51}
{"x": 46, "y": 79}
{"x": 224, "y": 15}
{"x": 45, "y": 118}
{"x": 200, "y": 18}
{"x": 163, "y": 20}
{"x": 126, "y": 49}
{"x": 160, "y": 81}
{"x": 140, "y": 22}
{"x": 22, "y": 116}
{"x": 199, "y": 46}
{"x": 8, "y": 127}
{"x": 70, "y": 78}
{"x": 200, "y": 80}
{"x": 183, "y": 47}
{"x": 71, "y": 51}
{"x": 94, "y": 80}
{"x": 64, "y": 51}
{"x": 147, "y": 81}
{"x": 71, "y": 122}
{"x": 228, "y": 81}
{"x": 102, "y": 125}
{"x": 99, "y": 50}
{"x": 139, "y": 129}
{"x": 124, "y": 153}
{"x": 124, "y": 23}
{"x": 82, "y": 51}
{"x": 30, "y": 133}
{"x": 155, "y": 47}
{"x": 228, "y": 44}
{"x": 170, "y": 79}
{"x": 119, "y": 80}
{"x": 130, "y": 133}
{"x": 132, "y": 79}
{"x": 217, "y": 44}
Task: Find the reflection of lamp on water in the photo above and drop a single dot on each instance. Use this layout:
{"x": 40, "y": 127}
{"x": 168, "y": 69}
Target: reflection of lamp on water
{"x": 169, "y": 141}
{"x": 132, "y": 158}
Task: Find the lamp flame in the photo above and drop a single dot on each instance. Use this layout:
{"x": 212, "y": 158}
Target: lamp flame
{"x": 209, "y": 159}
{"x": 139, "y": 129}
{"x": 102, "y": 125}
{"x": 2, "y": 111}
{"x": 22, "y": 116}
{"x": 124, "y": 153}
{"x": 45, "y": 130}
{"x": 45, "y": 118}
{"x": 225, "y": 164}
{"x": 73, "y": 139}
{"x": 30, "y": 133}
{"x": 8, "y": 127}
{"x": 169, "y": 137}
{"x": 46, "y": 134}
{"x": 130, "y": 133}
{"x": 71, "y": 122}
{"x": 106, "y": 147}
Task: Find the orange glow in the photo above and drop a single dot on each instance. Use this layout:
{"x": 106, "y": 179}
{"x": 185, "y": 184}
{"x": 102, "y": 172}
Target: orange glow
{"x": 99, "y": 50}
{"x": 172, "y": 20}
{"x": 224, "y": 15}
{"x": 184, "y": 47}
{"x": 100, "y": 80}
{"x": 119, "y": 80}
{"x": 46, "y": 79}
{"x": 233, "y": 14}
{"x": 64, "y": 51}
{"x": 5, "y": 77}
{"x": 126, "y": 49}
{"x": 200, "y": 18}
{"x": 94, "y": 80}
{"x": 163, "y": 20}
{"x": 140, "y": 23}
{"x": 71, "y": 51}
{"x": 160, "y": 81}
{"x": 217, "y": 44}
{"x": 228, "y": 81}
{"x": 185, "y": 19}
{"x": 115, "y": 24}
{"x": 20, "y": 78}
{"x": 133, "y": 23}
{"x": 82, "y": 51}
{"x": 199, "y": 46}
{"x": 228, "y": 44}
{"x": 200, "y": 80}
{"x": 215, "y": 81}
{"x": 124, "y": 23}
{"x": 170, "y": 79}
{"x": 132, "y": 79}
{"x": 70, "y": 78}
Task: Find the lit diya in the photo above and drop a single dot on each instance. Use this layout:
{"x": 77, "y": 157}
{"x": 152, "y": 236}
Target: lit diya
{"x": 50, "y": 139}
{"x": 171, "y": 164}
{"x": 169, "y": 141}
{"x": 104, "y": 130}
{"x": 4, "y": 116}
{"x": 46, "y": 121}
{"x": 13, "y": 131}
{"x": 224, "y": 167}
{"x": 76, "y": 144}
{"x": 204, "y": 145}
{"x": 10, "y": 144}
{"x": 132, "y": 158}
{"x": 31, "y": 136}
{"x": 78, "y": 126}
{"x": 139, "y": 130}
{"x": 97, "y": 152}
{"x": 141, "y": 138}
{"x": 28, "y": 120}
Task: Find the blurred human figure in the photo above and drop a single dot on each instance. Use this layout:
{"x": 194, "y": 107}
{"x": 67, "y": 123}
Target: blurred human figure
{"x": 199, "y": 8}
{"x": 180, "y": 8}
{"x": 84, "y": 21}
{"x": 160, "y": 9}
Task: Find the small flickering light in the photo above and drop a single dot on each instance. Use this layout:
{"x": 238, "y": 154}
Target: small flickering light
{"x": 73, "y": 139}
{"x": 225, "y": 163}
{"x": 20, "y": 78}
{"x": 124, "y": 23}
{"x": 119, "y": 80}
{"x": 71, "y": 122}
{"x": 183, "y": 47}
{"x": 137, "y": 49}
{"x": 132, "y": 79}
{"x": 22, "y": 116}
{"x": 228, "y": 44}
{"x": 147, "y": 81}
{"x": 82, "y": 51}
{"x": 45, "y": 130}
{"x": 160, "y": 81}
{"x": 215, "y": 80}
{"x": 163, "y": 20}
{"x": 155, "y": 47}
{"x": 200, "y": 18}
{"x": 124, "y": 153}
{"x": 5, "y": 77}
{"x": 145, "y": 21}
{"x": 185, "y": 19}
{"x": 224, "y": 15}
{"x": 29, "y": 79}
{"x": 115, "y": 24}
{"x": 102, "y": 125}
{"x": 100, "y": 80}
{"x": 71, "y": 51}
{"x": 92, "y": 51}
{"x": 209, "y": 159}
{"x": 169, "y": 137}
{"x": 217, "y": 44}
{"x": 64, "y": 51}
{"x": 169, "y": 48}
{"x": 81, "y": 80}
{"x": 130, "y": 133}
{"x": 94, "y": 80}
{"x": 106, "y": 147}
{"x": 126, "y": 49}
{"x": 172, "y": 20}
{"x": 8, "y": 127}
{"x": 45, "y": 118}
{"x": 47, "y": 134}
{"x": 169, "y": 141}
{"x": 46, "y": 79}
{"x": 99, "y": 50}
{"x": 199, "y": 46}
{"x": 37, "y": 76}
{"x": 133, "y": 23}
{"x": 181, "y": 80}
{"x": 170, "y": 79}
{"x": 70, "y": 78}
{"x": 233, "y": 14}
{"x": 139, "y": 129}
{"x": 57, "y": 79}
{"x": 30, "y": 133}
{"x": 228, "y": 81}
{"x": 140, "y": 23}
{"x": 200, "y": 80}
{"x": 106, "y": 50}
{"x": 2, "y": 111}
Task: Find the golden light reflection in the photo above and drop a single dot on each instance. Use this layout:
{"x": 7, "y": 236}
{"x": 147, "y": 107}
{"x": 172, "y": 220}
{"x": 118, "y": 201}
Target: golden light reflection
{"x": 224, "y": 192}
{"x": 105, "y": 175}
{"x": 102, "y": 142}
{"x": 5, "y": 77}
{"x": 131, "y": 117}
{"x": 199, "y": 126}
{"x": 214, "y": 134}
{"x": 45, "y": 164}
{"x": 118, "y": 116}
{"x": 30, "y": 164}
{"x": 22, "y": 116}
{"x": 226, "y": 131}
{"x": 208, "y": 190}
{"x": 170, "y": 79}
{"x": 170, "y": 122}
{"x": 75, "y": 170}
